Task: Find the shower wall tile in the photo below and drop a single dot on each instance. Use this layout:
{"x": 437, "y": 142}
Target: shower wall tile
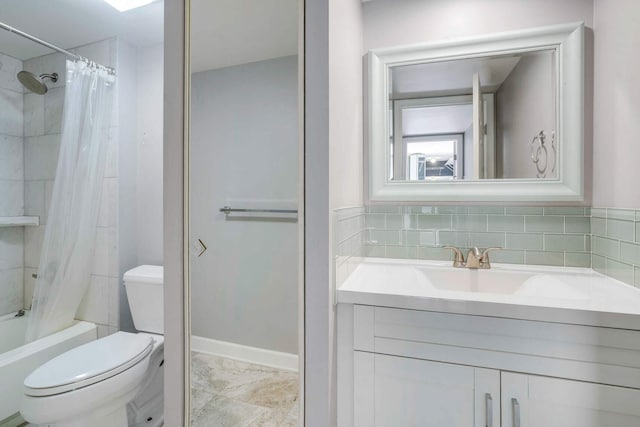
{"x": 11, "y": 289}
{"x": 111, "y": 169}
{"x": 109, "y": 203}
{"x": 11, "y": 118}
{"x": 95, "y": 304}
{"x": 105, "y": 260}
{"x": 12, "y": 199}
{"x": 34, "y": 200}
{"x": 48, "y": 193}
{"x": 29, "y": 283}
{"x": 33, "y": 114}
{"x": 41, "y": 156}
{"x": 53, "y": 107}
{"x": 114, "y": 301}
{"x": 33, "y": 237}
{"x": 11, "y": 248}
{"x": 9, "y": 68}
{"x": 11, "y": 157}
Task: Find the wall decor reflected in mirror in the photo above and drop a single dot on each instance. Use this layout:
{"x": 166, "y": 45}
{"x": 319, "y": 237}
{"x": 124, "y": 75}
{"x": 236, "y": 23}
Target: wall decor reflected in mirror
{"x": 493, "y": 118}
{"x": 433, "y": 115}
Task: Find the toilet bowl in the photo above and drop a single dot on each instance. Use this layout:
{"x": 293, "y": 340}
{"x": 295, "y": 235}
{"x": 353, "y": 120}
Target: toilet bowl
{"x": 115, "y": 381}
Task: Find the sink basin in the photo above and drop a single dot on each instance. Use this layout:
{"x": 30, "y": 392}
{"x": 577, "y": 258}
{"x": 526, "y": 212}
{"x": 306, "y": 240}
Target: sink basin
{"x": 484, "y": 281}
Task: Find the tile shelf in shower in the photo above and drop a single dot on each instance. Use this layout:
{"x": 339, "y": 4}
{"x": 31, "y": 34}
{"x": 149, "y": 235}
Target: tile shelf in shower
{"x": 19, "y": 221}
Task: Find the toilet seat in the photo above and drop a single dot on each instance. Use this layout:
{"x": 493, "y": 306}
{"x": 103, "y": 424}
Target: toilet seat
{"x": 89, "y": 364}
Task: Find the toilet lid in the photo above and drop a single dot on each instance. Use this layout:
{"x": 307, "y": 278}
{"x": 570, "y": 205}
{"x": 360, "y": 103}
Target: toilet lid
{"x": 88, "y": 364}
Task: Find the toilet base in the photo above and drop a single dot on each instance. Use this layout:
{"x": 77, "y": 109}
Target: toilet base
{"x": 117, "y": 418}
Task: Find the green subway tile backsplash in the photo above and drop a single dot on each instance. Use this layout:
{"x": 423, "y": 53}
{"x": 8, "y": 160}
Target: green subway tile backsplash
{"x": 523, "y": 210}
{"x": 565, "y": 242}
{"x": 544, "y": 258}
{"x": 539, "y": 223}
{"x": 622, "y": 214}
{"x": 564, "y": 211}
{"x": 577, "y": 224}
{"x": 615, "y": 248}
{"x": 531, "y": 241}
{"x": 513, "y": 223}
{"x": 535, "y": 235}
{"x": 608, "y": 240}
{"x": 620, "y": 230}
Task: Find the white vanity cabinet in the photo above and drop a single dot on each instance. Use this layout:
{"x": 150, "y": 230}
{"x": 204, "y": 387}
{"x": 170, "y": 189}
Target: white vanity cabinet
{"x": 537, "y": 401}
{"x": 400, "y": 391}
{"x": 399, "y": 367}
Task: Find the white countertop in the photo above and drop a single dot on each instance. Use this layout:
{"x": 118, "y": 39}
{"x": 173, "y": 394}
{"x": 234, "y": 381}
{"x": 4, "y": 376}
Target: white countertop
{"x": 552, "y": 294}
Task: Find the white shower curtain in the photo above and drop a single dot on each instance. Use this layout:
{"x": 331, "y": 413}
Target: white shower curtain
{"x": 66, "y": 259}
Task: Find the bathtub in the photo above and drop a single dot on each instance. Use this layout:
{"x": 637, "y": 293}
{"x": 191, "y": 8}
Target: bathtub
{"x": 18, "y": 359}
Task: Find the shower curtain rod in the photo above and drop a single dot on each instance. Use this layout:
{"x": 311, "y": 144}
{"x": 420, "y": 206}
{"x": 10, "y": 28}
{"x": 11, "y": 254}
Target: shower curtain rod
{"x": 54, "y": 47}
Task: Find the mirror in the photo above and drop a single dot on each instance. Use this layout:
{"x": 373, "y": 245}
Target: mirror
{"x": 495, "y": 118}
{"x": 432, "y": 107}
{"x": 244, "y": 271}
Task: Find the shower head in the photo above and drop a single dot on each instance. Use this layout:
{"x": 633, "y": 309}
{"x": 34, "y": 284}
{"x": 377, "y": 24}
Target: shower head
{"x": 36, "y": 84}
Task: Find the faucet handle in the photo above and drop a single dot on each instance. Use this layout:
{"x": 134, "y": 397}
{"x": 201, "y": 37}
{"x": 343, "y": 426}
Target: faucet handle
{"x": 458, "y": 257}
{"x": 484, "y": 257}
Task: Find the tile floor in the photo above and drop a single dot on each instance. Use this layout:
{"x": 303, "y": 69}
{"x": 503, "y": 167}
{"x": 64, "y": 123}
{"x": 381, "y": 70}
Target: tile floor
{"x": 227, "y": 392}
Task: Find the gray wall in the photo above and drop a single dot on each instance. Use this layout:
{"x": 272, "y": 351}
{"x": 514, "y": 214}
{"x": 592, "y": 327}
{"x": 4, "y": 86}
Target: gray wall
{"x": 244, "y": 146}
{"x": 616, "y": 105}
{"x": 149, "y": 155}
{"x": 127, "y": 186}
{"x": 525, "y": 105}
{"x": 140, "y": 163}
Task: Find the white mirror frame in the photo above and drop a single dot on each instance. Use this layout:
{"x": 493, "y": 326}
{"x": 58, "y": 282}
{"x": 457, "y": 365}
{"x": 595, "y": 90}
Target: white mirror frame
{"x": 567, "y": 39}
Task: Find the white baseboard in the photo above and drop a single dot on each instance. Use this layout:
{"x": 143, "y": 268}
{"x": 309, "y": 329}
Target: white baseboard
{"x": 258, "y": 356}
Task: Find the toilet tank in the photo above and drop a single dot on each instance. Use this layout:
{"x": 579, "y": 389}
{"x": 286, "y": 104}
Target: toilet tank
{"x": 145, "y": 292}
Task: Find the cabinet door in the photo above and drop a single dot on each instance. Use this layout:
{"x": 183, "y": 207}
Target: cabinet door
{"x": 534, "y": 401}
{"x": 396, "y": 392}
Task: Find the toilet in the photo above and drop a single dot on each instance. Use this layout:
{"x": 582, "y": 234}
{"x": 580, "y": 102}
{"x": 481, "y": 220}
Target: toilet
{"x": 116, "y": 381}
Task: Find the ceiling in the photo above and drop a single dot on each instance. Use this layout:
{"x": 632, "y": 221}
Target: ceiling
{"x": 232, "y": 32}
{"x": 72, "y": 23}
{"x": 223, "y": 32}
{"x": 451, "y": 76}
{"x": 442, "y": 119}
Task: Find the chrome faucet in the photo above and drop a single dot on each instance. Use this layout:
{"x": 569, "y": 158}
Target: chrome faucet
{"x": 475, "y": 258}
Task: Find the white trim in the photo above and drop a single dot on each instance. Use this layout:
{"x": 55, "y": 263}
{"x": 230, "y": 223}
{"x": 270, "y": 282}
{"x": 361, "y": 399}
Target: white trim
{"x": 567, "y": 39}
{"x": 243, "y": 353}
